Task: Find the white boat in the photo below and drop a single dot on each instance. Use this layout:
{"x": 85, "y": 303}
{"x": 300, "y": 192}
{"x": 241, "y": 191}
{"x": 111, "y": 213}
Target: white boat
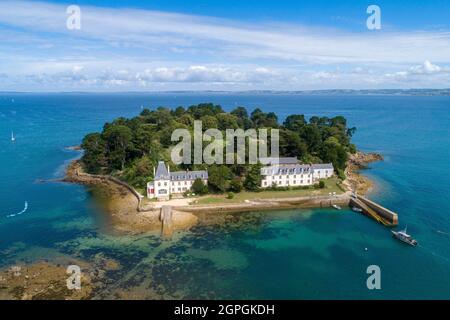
{"x": 356, "y": 209}
{"x": 404, "y": 237}
{"x": 336, "y": 207}
{"x": 13, "y": 139}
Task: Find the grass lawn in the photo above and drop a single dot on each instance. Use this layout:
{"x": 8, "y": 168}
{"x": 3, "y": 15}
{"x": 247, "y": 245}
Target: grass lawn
{"x": 330, "y": 186}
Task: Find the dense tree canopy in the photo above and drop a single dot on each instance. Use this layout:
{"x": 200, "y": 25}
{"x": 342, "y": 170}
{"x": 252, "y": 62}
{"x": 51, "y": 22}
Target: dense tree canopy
{"x": 130, "y": 148}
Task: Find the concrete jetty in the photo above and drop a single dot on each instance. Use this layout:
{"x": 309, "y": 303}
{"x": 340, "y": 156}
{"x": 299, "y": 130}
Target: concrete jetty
{"x": 166, "y": 219}
{"x": 374, "y": 210}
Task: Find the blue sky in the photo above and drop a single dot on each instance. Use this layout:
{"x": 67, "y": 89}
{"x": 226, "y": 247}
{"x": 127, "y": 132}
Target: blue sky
{"x": 223, "y": 45}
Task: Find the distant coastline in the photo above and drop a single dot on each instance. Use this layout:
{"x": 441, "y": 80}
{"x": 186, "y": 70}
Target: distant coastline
{"x": 324, "y": 92}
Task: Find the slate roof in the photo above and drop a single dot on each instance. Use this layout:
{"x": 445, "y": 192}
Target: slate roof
{"x": 162, "y": 173}
{"x": 280, "y": 160}
{"x": 323, "y": 166}
{"x": 293, "y": 169}
{"x": 188, "y": 175}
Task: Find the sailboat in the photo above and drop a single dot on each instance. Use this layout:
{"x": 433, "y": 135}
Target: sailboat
{"x": 13, "y": 139}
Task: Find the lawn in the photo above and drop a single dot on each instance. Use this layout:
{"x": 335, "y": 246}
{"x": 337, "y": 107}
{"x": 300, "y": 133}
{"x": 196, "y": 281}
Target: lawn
{"x": 331, "y": 185}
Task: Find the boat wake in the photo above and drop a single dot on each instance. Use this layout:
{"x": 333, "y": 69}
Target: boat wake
{"x": 444, "y": 233}
{"x": 435, "y": 254}
{"x": 19, "y": 213}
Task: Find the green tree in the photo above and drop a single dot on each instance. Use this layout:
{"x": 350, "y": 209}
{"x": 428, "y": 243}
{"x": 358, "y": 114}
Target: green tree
{"x": 335, "y": 153}
{"x": 240, "y": 112}
{"x": 186, "y": 119}
{"x": 236, "y": 185}
{"x": 227, "y": 121}
{"x": 219, "y": 178}
{"x": 145, "y": 139}
{"x": 321, "y": 184}
{"x": 253, "y": 178}
{"x": 271, "y": 120}
{"x": 139, "y": 172}
{"x": 261, "y": 119}
{"x": 204, "y": 109}
{"x": 179, "y": 111}
{"x": 291, "y": 145}
{"x": 118, "y": 141}
{"x": 295, "y": 122}
{"x": 94, "y": 157}
{"x": 312, "y": 136}
{"x": 209, "y": 122}
{"x": 199, "y": 187}
{"x": 258, "y": 117}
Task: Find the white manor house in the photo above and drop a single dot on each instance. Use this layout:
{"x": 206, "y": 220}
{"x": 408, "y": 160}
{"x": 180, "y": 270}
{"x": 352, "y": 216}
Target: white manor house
{"x": 287, "y": 172}
{"x": 167, "y": 183}
{"x": 281, "y": 172}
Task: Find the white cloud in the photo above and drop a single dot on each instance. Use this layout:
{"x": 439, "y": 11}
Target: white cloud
{"x": 426, "y": 68}
{"x": 144, "y": 27}
{"x": 127, "y": 48}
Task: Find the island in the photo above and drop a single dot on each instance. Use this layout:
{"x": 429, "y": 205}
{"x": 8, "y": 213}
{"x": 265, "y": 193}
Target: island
{"x": 123, "y": 161}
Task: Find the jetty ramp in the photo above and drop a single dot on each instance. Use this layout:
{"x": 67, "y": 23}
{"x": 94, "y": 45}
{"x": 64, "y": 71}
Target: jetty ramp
{"x": 375, "y": 211}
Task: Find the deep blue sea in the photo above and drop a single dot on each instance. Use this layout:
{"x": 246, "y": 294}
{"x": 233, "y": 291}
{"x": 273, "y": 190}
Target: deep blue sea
{"x": 297, "y": 254}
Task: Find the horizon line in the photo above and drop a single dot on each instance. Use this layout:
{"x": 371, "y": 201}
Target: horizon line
{"x": 233, "y": 91}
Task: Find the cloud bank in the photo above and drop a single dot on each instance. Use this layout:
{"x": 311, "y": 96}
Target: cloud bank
{"x": 129, "y": 49}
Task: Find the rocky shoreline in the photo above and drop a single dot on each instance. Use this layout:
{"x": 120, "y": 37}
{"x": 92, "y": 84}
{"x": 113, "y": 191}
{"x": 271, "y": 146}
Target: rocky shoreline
{"x": 44, "y": 280}
{"x": 355, "y": 181}
{"x": 127, "y": 214}
{"x": 123, "y": 206}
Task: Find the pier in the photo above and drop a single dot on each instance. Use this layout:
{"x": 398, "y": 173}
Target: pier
{"x": 374, "y": 210}
{"x": 166, "y": 220}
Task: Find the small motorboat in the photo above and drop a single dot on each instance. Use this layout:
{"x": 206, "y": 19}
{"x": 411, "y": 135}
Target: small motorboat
{"x": 356, "y": 209}
{"x": 404, "y": 237}
{"x": 336, "y": 207}
{"x": 13, "y": 139}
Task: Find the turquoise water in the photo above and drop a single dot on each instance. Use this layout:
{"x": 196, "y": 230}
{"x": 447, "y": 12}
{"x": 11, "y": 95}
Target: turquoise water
{"x": 287, "y": 254}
